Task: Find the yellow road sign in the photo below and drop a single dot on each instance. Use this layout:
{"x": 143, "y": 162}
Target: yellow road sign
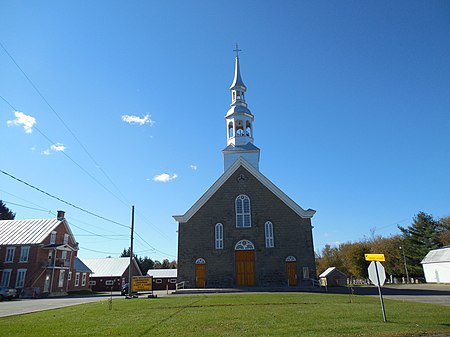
{"x": 142, "y": 283}
{"x": 374, "y": 257}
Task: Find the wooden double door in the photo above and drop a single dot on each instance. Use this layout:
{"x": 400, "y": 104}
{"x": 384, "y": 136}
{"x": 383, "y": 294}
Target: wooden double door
{"x": 245, "y": 268}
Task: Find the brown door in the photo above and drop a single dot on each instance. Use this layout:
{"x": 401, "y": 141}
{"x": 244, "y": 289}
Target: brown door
{"x": 292, "y": 273}
{"x": 200, "y": 275}
{"x": 245, "y": 268}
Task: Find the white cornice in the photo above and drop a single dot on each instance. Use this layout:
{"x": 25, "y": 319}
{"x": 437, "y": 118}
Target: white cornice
{"x": 224, "y": 177}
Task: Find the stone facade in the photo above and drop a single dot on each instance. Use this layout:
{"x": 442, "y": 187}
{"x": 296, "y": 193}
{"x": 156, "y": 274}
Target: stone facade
{"x": 292, "y": 237}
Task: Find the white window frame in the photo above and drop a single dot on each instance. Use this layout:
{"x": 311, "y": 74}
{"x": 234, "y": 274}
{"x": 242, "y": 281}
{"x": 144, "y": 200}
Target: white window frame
{"x": 305, "y": 273}
{"x": 20, "y": 278}
{"x": 69, "y": 276}
{"x": 218, "y": 232}
{"x": 158, "y": 280}
{"x": 92, "y": 283}
{"x": 9, "y": 256}
{"x": 83, "y": 280}
{"x": 53, "y": 238}
{"x": 173, "y": 280}
{"x": 109, "y": 282}
{"x": 268, "y": 230}
{"x": 66, "y": 239}
{"x": 6, "y": 277}
{"x": 77, "y": 279}
{"x": 62, "y": 274}
{"x": 243, "y": 215}
{"x": 64, "y": 255}
{"x": 24, "y": 253}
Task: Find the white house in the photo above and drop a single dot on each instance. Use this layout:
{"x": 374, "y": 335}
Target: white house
{"x": 436, "y": 265}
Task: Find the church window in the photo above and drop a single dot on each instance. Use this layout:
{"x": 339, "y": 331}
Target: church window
{"x": 230, "y": 130}
{"x": 239, "y": 128}
{"x": 243, "y": 215}
{"x": 200, "y": 261}
{"x": 244, "y": 245}
{"x": 268, "y": 230}
{"x": 219, "y": 236}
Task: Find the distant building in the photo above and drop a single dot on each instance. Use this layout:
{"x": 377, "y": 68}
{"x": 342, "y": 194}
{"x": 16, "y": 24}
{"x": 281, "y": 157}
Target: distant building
{"x": 333, "y": 277}
{"x": 110, "y": 274}
{"x": 244, "y": 231}
{"x": 80, "y": 278}
{"x": 163, "y": 278}
{"x": 436, "y": 265}
{"x": 37, "y": 256}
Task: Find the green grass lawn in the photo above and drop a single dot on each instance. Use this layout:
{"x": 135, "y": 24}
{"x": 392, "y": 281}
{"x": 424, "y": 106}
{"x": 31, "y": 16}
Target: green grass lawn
{"x": 275, "y": 314}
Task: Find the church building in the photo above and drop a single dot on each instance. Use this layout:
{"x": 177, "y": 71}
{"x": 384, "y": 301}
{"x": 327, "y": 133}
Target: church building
{"x": 244, "y": 231}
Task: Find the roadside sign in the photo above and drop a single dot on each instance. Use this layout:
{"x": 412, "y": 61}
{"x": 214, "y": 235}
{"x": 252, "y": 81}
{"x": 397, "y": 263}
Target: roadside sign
{"x": 375, "y": 257}
{"x": 377, "y": 276}
{"x": 142, "y": 283}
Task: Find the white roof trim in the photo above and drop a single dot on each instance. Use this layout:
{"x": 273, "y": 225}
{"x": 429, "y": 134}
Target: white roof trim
{"x": 258, "y": 175}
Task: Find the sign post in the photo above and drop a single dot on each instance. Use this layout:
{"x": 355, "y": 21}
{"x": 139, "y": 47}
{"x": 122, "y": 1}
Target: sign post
{"x": 375, "y": 270}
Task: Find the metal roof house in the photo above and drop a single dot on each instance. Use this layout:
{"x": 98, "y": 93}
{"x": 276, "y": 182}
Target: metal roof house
{"x": 110, "y": 273}
{"x": 163, "y": 278}
{"x": 37, "y": 256}
{"x": 333, "y": 277}
{"x": 436, "y": 265}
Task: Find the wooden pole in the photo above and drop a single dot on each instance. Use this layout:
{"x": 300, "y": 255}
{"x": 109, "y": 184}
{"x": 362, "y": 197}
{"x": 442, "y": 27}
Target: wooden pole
{"x": 130, "y": 271}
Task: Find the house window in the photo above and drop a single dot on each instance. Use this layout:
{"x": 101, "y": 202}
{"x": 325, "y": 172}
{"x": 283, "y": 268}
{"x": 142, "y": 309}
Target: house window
{"x": 77, "y": 279}
{"x": 219, "y": 236}
{"x": 243, "y": 219}
{"x": 83, "y": 280}
{"x": 158, "y": 280}
{"x": 24, "y": 252}
{"x": 173, "y": 280}
{"x": 62, "y": 273}
{"x": 92, "y": 283}
{"x": 9, "y": 257}
{"x": 20, "y": 279}
{"x": 268, "y": 230}
{"x": 109, "y": 282}
{"x": 64, "y": 255}
{"x": 69, "y": 276}
{"x": 6, "y": 277}
{"x": 305, "y": 272}
{"x": 66, "y": 239}
{"x": 53, "y": 238}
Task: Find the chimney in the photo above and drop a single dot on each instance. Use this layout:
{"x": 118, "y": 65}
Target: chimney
{"x": 60, "y": 215}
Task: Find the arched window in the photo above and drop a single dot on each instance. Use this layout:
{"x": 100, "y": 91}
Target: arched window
{"x": 244, "y": 245}
{"x": 230, "y": 130}
{"x": 219, "y": 236}
{"x": 268, "y": 230}
{"x": 248, "y": 129}
{"x": 243, "y": 215}
{"x": 239, "y": 128}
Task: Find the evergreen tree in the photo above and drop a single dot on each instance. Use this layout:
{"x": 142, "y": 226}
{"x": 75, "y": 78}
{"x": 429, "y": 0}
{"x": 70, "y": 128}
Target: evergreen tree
{"x": 418, "y": 239}
{"x": 5, "y": 212}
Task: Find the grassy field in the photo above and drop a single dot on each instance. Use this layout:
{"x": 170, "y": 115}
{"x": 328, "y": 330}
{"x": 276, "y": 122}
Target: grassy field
{"x": 276, "y": 314}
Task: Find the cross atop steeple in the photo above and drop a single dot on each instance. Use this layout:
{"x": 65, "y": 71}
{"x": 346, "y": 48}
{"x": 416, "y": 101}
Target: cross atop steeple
{"x": 237, "y": 50}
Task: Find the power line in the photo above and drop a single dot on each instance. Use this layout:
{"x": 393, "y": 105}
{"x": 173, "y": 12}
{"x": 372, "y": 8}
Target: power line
{"x": 33, "y": 208}
{"x": 98, "y": 251}
{"x": 62, "y": 200}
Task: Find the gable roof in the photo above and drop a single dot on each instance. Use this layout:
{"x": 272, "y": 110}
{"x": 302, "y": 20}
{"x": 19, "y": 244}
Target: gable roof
{"x": 110, "y": 266}
{"x": 258, "y": 175}
{"x": 30, "y": 231}
{"x": 330, "y": 270}
{"x": 162, "y": 273}
{"x": 437, "y": 255}
{"x": 80, "y": 267}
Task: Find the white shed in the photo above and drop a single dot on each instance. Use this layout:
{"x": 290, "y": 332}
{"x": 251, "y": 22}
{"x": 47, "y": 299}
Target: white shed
{"x": 436, "y": 265}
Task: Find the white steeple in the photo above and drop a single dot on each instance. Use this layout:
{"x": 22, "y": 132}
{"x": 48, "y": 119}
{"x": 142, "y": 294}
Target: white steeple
{"x": 239, "y": 123}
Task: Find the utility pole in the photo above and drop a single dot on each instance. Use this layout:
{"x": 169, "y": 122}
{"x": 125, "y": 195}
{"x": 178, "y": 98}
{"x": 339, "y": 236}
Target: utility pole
{"x": 404, "y": 261}
{"x": 130, "y": 268}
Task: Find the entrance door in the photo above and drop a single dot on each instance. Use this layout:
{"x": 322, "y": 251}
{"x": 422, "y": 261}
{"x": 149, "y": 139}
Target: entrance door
{"x": 47, "y": 283}
{"x": 245, "y": 267}
{"x": 292, "y": 273}
{"x": 200, "y": 275}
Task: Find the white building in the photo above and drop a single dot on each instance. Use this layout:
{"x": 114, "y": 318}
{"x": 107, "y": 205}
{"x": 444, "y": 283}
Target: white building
{"x": 436, "y": 265}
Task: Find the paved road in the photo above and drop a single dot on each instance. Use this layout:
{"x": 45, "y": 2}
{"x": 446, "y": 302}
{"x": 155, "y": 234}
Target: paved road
{"x": 427, "y": 293}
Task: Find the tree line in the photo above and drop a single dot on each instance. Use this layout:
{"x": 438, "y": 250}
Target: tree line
{"x": 403, "y": 251}
{"x": 145, "y": 263}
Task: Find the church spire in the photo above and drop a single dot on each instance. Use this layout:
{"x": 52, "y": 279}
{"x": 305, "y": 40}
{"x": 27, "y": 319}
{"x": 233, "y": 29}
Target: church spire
{"x": 239, "y": 121}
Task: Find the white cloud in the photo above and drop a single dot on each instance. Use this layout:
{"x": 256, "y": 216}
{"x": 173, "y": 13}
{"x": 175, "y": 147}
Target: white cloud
{"x": 58, "y": 147}
{"x": 21, "y": 119}
{"x": 138, "y": 120}
{"x": 194, "y": 167}
{"x": 164, "y": 177}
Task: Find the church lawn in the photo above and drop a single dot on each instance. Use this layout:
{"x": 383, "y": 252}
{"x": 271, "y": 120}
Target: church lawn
{"x": 273, "y": 314}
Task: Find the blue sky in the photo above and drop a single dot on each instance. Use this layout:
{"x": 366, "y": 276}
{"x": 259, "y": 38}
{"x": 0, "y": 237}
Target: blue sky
{"x": 351, "y": 102}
